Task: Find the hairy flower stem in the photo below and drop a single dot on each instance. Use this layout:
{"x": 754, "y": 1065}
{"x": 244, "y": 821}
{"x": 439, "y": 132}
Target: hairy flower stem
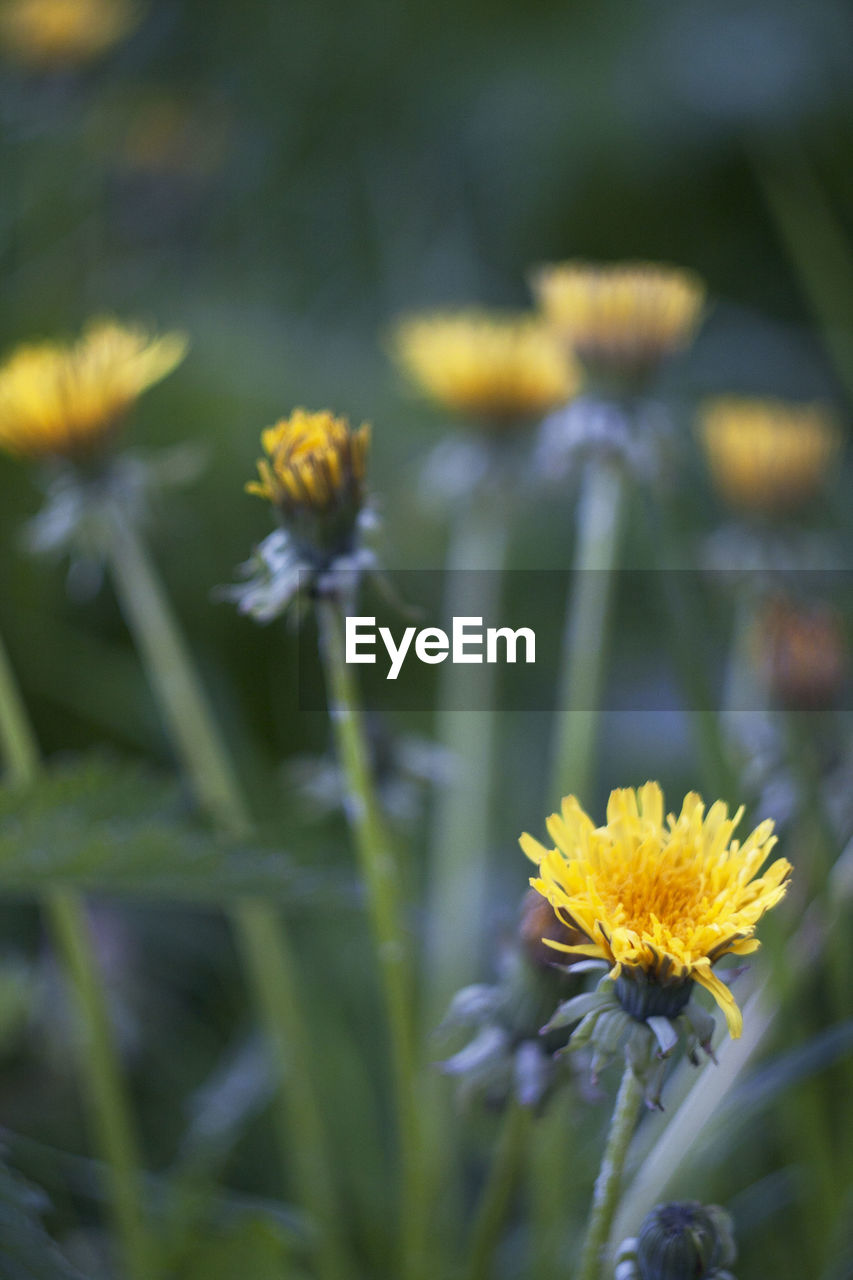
{"x": 269, "y": 965}
{"x": 605, "y": 1197}
{"x": 695, "y": 1099}
{"x": 173, "y": 678}
{"x": 599, "y": 522}
{"x": 99, "y": 1066}
{"x": 379, "y": 868}
{"x": 497, "y": 1193}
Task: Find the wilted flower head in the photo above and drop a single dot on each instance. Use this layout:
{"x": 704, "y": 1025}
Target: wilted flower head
{"x": 509, "y": 1054}
{"x": 802, "y": 653}
{"x": 497, "y": 370}
{"x": 679, "y": 1241}
{"x": 66, "y": 401}
{"x": 49, "y": 34}
{"x": 620, "y": 320}
{"x": 170, "y": 136}
{"x": 539, "y": 927}
{"x": 768, "y": 456}
{"x": 659, "y": 899}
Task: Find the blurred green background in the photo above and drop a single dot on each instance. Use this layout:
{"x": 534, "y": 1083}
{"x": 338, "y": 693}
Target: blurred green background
{"x": 281, "y": 180}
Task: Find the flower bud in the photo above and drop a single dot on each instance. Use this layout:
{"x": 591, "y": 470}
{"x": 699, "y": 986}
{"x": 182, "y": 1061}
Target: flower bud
{"x": 538, "y": 922}
{"x": 684, "y": 1241}
{"x": 803, "y": 654}
{"x": 313, "y": 473}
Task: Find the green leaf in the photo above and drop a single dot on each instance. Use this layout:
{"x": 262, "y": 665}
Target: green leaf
{"x": 110, "y": 826}
{"x": 27, "y": 1252}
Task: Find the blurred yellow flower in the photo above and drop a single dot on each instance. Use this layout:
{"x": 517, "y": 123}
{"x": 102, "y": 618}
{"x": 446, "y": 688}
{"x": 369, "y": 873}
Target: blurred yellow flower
{"x": 60, "y": 400}
{"x": 314, "y": 462}
{"x": 47, "y": 34}
{"x": 661, "y": 900}
{"x": 621, "y": 319}
{"x": 766, "y": 455}
{"x": 494, "y": 368}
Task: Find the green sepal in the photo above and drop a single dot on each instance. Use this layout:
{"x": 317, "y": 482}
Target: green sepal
{"x": 573, "y": 1010}
{"x": 666, "y": 1034}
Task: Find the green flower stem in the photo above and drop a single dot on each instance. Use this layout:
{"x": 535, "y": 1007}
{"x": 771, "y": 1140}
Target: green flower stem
{"x": 379, "y": 869}
{"x": 270, "y": 968}
{"x": 459, "y": 842}
{"x": 173, "y": 678}
{"x": 685, "y": 1126}
{"x": 17, "y": 740}
{"x": 495, "y": 1200}
{"x": 99, "y": 1066}
{"x": 458, "y": 855}
{"x": 105, "y": 1092}
{"x": 599, "y": 523}
{"x": 605, "y": 1197}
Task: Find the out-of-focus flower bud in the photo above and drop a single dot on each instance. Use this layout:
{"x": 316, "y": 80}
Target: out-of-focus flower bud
{"x": 802, "y": 653}
{"x": 680, "y": 1241}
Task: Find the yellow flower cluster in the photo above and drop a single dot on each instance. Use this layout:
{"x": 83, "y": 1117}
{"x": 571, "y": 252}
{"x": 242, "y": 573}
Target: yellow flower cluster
{"x": 65, "y": 401}
{"x": 496, "y": 369}
{"x": 46, "y": 34}
{"x": 623, "y": 318}
{"x": 663, "y": 896}
{"x": 314, "y": 461}
{"x": 767, "y": 455}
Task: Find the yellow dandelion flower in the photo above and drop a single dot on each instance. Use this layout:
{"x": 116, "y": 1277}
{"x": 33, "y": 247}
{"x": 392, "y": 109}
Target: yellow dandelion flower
{"x": 661, "y": 900}
{"x": 313, "y": 462}
{"x": 47, "y": 34}
{"x": 494, "y": 368}
{"x": 66, "y": 401}
{"x": 767, "y": 455}
{"x": 620, "y": 320}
